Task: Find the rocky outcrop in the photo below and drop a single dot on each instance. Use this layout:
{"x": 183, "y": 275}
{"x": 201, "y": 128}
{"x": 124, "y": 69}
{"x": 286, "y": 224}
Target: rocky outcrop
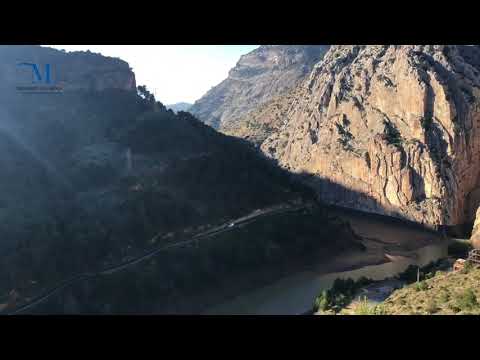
{"x": 259, "y": 76}
{"x": 475, "y": 238}
{"x": 79, "y": 70}
{"x": 388, "y": 129}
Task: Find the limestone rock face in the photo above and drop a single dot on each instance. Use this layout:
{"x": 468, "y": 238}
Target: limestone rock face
{"x": 259, "y": 76}
{"x": 475, "y": 238}
{"x": 388, "y": 129}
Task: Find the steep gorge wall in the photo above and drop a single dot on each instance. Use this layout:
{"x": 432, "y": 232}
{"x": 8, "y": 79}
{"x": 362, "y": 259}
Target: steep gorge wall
{"x": 386, "y": 129}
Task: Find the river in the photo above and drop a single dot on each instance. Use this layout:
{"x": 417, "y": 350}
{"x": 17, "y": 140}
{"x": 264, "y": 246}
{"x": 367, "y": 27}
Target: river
{"x": 391, "y": 248}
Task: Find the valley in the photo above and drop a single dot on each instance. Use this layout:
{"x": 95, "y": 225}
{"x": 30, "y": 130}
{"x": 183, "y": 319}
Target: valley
{"x": 397, "y": 246}
{"x": 307, "y": 166}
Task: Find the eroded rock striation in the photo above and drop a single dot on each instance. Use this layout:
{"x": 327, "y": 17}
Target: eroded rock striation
{"x": 259, "y": 76}
{"x": 383, "y": 128}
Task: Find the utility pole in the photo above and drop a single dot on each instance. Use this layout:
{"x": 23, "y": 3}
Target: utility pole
{"x": 418, "y": 273}
{"x": 129, "y": 160}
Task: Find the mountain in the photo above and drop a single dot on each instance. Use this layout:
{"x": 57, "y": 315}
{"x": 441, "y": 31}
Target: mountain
{"x": 92, "y": 174}
{"x": 387, "y": 129}
{"x": 78, "y": 70}
{"x": 260, "y": 75}
{"x": 181, "y": 106}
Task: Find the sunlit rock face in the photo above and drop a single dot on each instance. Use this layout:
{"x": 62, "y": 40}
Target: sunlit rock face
{"x": 259, "y": 76}
{"x": 475, "y": 238}
{"x": 383, "y": 128}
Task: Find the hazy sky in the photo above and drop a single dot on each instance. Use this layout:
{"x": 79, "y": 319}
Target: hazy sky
{"x": 174, "y": 73}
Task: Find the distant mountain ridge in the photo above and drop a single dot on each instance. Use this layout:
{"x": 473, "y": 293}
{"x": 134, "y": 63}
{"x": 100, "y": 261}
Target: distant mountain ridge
{"x": 259, "y": 76}
{"x": 180, "y": 106}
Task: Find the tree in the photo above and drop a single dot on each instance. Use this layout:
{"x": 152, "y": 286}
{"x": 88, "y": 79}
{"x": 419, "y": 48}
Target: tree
{"x": 145, "y": 94}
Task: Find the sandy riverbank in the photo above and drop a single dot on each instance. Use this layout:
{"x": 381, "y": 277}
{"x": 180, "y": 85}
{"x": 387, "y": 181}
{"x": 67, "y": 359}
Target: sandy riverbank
{"x": 391, "y": 246}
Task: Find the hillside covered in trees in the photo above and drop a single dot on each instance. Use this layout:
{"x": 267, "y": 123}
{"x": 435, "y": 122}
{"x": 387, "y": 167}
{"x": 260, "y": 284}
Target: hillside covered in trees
{"x": 92, "y": 174}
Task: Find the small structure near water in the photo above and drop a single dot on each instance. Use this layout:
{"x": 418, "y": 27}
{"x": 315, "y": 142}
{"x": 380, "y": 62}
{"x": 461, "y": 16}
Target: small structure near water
{"x": 459, "y": 265}
{"x": 473, "y": 258}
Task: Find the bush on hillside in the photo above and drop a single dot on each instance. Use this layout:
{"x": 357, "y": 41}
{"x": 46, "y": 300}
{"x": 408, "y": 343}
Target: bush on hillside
{"x": 467, "y": 300}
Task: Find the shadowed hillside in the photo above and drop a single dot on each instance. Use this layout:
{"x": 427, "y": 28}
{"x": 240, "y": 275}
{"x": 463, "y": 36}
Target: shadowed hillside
{"x": 93, "y": 173}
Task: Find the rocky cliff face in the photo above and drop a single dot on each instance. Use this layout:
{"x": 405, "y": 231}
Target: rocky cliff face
{"x": 258, "y": 77}
{"x": 475, "y": 238}
{"x": 387, "y": 129}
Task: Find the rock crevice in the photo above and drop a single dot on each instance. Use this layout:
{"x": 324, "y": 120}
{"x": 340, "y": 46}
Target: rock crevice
{"x": 412, "y": 144}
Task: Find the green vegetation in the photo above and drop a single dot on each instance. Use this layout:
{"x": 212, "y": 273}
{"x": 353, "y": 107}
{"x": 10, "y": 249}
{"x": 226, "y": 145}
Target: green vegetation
{"x": 426, "y": 123}
{"x": 85, "y": 213}
{"x": 443, "y": 296}
{"x": 240, "y": 259}
{"x": 392, "y": 134}
{"x": 345, "y": 137}
{"x": 468, "y": 266}
{"x": 322, "y": 302}
{"x": 466, "y": 300}
{"x": 364, "y": 308}
{"x": 426, "y": 272}
{"x": 421, "y": 286}
{"x": 339, "y": 295}
{"x": 445, "y": 293}
{"x": 431, "y": 306}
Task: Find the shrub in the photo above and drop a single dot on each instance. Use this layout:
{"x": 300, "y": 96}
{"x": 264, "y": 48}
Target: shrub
{"x": 429, "y": 275}
{"x": 421, "y": 286}
{"x": 340, "y": 295}
{"x": 345, "y": 135}
{"x": 322, "y": 302}
{"x": 426, "y": 123}
{"x": 363, "y": 308}
{"x": 431, "y": 306}
{"x": 380, "y": 310}
{"x": 346, "y": 287}
{"x": 454, "y": 308}
{"x": 466, "y": 300}
{"x": 392, "y": 134}
{"x": 444, "y": 296}
{"x": 467, "y": 267}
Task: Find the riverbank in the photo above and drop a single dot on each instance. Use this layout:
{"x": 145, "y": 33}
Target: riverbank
{"x": 380, "y": 297}
{"x": 391, "y": 246}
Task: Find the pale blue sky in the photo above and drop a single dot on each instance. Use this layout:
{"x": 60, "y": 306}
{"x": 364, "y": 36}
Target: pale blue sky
{"x": 174, "y": 73}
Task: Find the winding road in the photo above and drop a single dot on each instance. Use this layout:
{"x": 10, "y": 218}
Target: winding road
{"x": 229, "y": 226}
